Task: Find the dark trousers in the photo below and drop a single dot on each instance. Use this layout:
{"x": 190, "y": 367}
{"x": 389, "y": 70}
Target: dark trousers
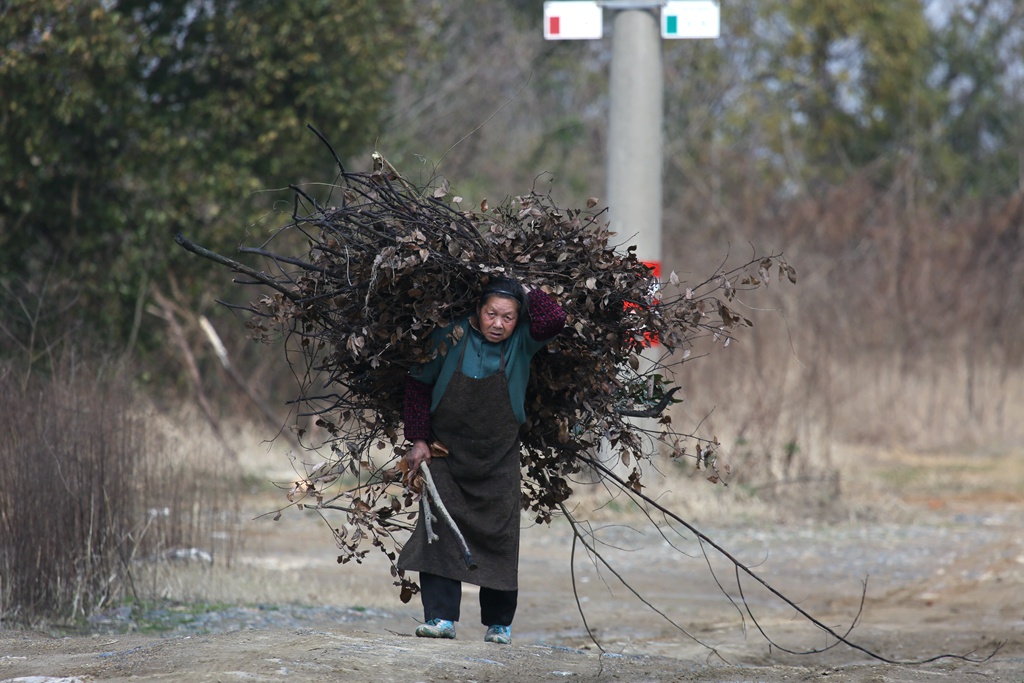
{"x": 442, "y": 599}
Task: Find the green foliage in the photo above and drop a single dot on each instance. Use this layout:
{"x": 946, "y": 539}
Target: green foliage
{"x": 976, "y": 60}
{"x": 802, "y": 95}
{"x": 123, "y": 123}
{"x": 851, "y": 76}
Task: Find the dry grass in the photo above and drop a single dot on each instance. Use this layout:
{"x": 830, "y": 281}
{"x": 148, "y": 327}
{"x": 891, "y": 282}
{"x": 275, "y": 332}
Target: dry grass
{"x": 903, "y": 334}
{"x": 92, "y": 482}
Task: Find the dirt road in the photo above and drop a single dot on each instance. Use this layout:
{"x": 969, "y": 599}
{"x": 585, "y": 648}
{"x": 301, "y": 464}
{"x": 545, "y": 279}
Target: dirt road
{"x": 944, "y": 572}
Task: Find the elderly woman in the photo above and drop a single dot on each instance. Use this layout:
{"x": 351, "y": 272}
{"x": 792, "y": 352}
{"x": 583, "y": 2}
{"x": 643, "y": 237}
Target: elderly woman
{"x": 469, "y": 401}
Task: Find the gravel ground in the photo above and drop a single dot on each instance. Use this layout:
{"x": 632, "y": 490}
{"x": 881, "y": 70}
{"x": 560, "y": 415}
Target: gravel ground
{"x": 941, "y": 579}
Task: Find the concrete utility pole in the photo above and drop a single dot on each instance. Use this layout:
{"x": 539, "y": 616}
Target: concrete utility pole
{"x": 635, "y": 144}
{"x": 637, "y": 93}
{"x": 636, "y": 114}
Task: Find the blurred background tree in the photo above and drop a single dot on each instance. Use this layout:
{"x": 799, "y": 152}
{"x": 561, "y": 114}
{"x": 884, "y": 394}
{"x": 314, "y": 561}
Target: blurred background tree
{"x": 125, "y": 122}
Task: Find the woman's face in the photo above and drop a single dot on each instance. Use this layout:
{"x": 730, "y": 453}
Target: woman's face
{"x": 498, "y": 316}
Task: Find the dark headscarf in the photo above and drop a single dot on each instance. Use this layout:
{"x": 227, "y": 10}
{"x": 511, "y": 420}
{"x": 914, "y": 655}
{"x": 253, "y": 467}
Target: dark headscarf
{"x": 506, "y": 287}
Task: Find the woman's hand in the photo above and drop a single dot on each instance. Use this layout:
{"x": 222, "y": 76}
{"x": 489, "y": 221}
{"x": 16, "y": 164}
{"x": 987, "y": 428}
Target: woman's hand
{"x": 419, "y": 453}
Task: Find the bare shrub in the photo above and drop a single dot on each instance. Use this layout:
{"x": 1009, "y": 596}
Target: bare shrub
{"x": 914, "y": 306}
{"x": 87, "y": 487}
{"x": 905, "y": 331}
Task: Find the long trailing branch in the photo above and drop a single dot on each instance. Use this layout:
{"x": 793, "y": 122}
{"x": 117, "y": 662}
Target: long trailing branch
{"x": 579, "y": 537}
{"x": 743, "y": 569}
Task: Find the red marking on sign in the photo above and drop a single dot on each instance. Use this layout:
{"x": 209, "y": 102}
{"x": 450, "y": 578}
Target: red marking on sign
{"x": 553, "y": 27}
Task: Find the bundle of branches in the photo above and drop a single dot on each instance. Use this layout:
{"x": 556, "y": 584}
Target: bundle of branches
{"x": 385, "y": 263}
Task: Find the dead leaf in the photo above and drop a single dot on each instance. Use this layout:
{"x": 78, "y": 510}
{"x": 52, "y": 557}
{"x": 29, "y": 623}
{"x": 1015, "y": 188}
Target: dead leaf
{"x": 563, "y": 433}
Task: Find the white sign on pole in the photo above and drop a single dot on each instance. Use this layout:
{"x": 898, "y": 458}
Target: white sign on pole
{"x": 573, "y": 20}
{"x": 691, "y": 19}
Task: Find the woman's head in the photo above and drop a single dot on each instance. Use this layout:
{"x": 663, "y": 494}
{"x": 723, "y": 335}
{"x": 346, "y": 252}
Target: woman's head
{"x": 502, "y": 303}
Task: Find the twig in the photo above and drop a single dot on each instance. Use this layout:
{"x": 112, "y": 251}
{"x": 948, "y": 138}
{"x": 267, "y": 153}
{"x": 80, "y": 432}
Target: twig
{"x": 337, "y": 159}
{"x": 577, "y": 535}
{"x": 653, "y": 411}
{"x": 283, "y": 259}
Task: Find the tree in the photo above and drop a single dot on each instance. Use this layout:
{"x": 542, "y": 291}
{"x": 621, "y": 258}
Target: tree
{"x": 976, "y": 56}
{"x": 492, "y": 103}
{"x": 126, "y": 122}
{"x": 845, "y": 80}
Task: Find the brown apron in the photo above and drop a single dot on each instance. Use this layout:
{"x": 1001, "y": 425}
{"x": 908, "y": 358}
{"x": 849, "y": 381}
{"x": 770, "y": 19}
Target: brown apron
{"x": 478, "y": 482}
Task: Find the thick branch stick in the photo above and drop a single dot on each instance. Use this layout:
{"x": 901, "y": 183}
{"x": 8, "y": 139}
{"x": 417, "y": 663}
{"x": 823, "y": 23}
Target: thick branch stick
{"x": 263, "y": 278}
{"x": 428, "y": 521}
{"x": 466, "y": 555}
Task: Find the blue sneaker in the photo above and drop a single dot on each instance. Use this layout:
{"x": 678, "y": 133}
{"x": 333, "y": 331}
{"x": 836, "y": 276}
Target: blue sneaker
{"x": 436, "y": 628}
{"x": 499, "y": 634}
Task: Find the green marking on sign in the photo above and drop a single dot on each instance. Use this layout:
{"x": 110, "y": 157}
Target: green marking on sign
{"x": 671, "y": 24}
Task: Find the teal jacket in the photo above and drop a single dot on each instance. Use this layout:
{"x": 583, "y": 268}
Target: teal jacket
{"x": 426, "y": 383}
{"x": 482, "y": 359}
